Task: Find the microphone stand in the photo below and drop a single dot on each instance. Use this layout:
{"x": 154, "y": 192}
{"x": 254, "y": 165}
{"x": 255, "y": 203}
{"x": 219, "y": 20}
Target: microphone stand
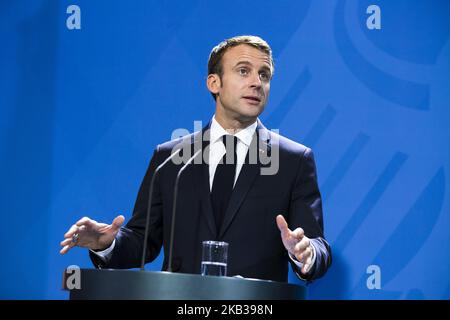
{"x": 150, "y": 198}
{"x": 175, "y": 194}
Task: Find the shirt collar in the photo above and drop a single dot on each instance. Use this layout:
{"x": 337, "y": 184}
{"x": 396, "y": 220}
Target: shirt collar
{"x": 245, "y": 135}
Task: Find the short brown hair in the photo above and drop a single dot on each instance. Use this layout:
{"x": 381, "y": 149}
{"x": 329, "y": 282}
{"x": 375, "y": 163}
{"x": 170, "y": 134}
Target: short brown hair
{"x": 215, "y": 57}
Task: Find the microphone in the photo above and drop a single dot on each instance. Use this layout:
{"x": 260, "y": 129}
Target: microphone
{"x": 150, "y": 198}
{"x": 174, "y": 209}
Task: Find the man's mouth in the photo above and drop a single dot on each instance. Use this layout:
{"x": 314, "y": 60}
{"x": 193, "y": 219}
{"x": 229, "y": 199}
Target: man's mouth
{"x": 252, "y": 98}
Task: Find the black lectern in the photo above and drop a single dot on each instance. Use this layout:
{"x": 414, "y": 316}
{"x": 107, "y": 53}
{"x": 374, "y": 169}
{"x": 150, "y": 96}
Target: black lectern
{"x": 144, "y": 285}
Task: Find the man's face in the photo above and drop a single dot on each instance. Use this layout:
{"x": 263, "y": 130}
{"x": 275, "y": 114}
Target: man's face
{"x": 242, "y": 92}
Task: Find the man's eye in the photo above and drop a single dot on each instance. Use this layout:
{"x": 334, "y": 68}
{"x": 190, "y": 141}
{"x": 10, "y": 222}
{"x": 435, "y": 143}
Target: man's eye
{"x": 243, "y": 71}
{"x": 264, "y": 76}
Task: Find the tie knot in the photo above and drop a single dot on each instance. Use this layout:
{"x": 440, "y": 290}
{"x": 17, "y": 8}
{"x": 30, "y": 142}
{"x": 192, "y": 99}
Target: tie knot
{"x": 230, "y": 142}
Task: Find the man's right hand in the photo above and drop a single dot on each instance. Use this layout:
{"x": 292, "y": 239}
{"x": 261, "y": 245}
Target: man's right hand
{"x": 91, "y": 234}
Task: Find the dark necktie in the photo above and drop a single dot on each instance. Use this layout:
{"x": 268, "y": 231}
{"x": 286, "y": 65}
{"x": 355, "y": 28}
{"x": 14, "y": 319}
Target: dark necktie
{"x": 224, "y": 180}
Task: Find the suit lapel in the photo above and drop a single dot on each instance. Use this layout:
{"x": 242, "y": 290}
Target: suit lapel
{"x": 247, "y": 175}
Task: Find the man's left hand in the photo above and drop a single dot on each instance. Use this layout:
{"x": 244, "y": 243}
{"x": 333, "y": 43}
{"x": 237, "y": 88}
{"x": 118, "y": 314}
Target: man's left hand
{"x": 296, "y": 243}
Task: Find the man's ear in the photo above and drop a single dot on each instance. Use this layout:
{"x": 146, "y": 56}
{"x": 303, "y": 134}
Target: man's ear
{"x": 213, "y": 83}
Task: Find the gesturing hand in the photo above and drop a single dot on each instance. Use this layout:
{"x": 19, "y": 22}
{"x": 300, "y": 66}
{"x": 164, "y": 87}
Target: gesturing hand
{"x": 296, "y": 243}
{"x": 91, "y": 234}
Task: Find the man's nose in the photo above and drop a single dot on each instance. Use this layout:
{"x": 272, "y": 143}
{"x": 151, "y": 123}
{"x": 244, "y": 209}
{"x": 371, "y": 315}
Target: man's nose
{"x": 255, "y": 81}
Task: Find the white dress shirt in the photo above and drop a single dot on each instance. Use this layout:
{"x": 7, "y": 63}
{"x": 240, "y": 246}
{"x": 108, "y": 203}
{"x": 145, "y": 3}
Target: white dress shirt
{"x": 217, "y": 148}
{"x": 216, "y": 153}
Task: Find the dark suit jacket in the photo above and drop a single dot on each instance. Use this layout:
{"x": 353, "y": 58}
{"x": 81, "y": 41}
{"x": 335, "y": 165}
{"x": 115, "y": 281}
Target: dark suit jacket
{"x": 255, "y": 246}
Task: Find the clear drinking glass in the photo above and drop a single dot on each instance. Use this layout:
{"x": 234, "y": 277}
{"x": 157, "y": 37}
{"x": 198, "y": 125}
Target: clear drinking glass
{"x": 214, "y": 258}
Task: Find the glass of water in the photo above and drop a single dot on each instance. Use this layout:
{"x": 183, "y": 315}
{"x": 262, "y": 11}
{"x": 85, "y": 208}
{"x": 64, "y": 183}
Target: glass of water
{"x": 214, "y": 258}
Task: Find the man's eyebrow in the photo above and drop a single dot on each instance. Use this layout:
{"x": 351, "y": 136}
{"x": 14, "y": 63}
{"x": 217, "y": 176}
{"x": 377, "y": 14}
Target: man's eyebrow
{"x": 244, "y": 62}
{"x": 248, "y": 63}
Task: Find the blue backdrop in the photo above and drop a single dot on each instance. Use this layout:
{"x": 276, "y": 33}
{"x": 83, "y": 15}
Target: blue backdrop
{"x": 87, "y": 92}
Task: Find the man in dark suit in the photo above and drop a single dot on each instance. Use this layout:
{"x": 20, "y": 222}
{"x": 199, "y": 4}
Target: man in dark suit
{"x": 265, "y": 202}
